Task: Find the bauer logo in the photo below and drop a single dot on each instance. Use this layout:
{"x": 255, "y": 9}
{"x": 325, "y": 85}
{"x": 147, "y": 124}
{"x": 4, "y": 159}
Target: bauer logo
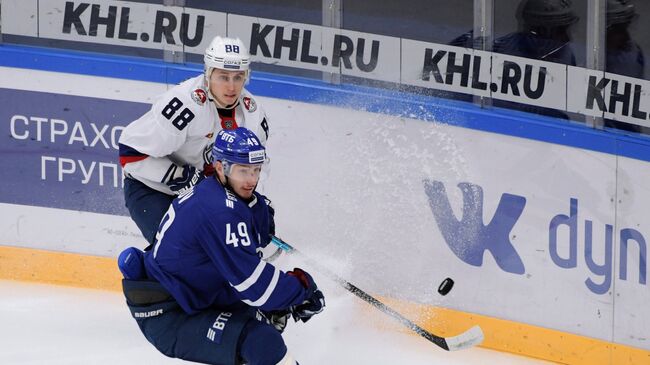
{"x": 155, "y": 313}
{"x": 469, "y": 238}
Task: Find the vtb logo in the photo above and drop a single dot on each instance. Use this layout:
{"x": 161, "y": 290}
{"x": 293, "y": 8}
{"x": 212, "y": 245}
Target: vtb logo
{"x": 469, "y": 237}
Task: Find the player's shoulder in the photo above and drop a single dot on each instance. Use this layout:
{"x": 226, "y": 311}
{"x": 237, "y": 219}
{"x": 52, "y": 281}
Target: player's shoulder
{"x": 259, "y": 207}
{"x": 262, "y": 199}
{"x": 254, "y": 115}
{"x": 249, "y": 103}
{"x": 191, "y": 93}
{"x": 215, "y": 199}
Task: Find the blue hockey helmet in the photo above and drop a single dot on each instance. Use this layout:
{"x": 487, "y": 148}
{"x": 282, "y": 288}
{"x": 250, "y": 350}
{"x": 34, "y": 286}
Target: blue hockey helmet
{"x": 238, "y": 146}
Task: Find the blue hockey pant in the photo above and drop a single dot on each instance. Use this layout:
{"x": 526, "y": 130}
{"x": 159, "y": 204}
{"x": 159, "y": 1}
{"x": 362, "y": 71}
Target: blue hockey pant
{"x": 213, "y": 336}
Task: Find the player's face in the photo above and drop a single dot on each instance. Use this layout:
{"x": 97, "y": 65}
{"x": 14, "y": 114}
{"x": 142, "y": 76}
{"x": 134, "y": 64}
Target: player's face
{"x": 244, "y": 178}
{"x": 227, "y": 85}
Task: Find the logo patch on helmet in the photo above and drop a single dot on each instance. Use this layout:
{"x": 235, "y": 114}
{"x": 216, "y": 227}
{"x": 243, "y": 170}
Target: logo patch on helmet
{"x": 249, "y": 104}
{"x": 199, "y": 96}
{"x": 256, "y": 156}
{"x": 232, "y": 64}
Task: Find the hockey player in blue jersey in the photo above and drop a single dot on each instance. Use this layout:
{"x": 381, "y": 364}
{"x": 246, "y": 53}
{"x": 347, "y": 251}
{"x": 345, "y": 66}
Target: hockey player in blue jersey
{"x": 203, "y": 293}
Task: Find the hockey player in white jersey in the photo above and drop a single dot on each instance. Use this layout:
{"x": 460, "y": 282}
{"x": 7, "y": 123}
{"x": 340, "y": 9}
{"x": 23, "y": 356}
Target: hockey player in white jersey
{"x": 167, "y": 150}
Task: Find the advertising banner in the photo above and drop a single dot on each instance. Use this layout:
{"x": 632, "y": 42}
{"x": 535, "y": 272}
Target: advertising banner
{"x": 116, "y": 23}
{"x": 319, "y": 48}
{"x": 444, "y": 67}
{"x": 61, "y": 151}
{"x": 119, "y": 25}
{"x": 603, "y": 94}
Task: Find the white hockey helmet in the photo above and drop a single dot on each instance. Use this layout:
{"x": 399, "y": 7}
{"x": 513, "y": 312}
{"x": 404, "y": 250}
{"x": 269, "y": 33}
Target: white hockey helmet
{"x": 228, "y": 54}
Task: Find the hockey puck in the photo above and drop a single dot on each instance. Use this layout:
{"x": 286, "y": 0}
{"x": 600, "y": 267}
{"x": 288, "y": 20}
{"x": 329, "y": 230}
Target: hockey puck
{"x": 445, "y": 286}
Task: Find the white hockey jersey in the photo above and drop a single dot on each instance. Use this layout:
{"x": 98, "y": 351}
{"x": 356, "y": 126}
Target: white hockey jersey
{"x": 179, "y": 129}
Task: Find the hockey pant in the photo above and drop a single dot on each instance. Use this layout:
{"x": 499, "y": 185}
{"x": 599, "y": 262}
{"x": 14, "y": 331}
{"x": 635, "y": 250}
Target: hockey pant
{"x": 146, "y": 206}
{"x": 212, "y": 336}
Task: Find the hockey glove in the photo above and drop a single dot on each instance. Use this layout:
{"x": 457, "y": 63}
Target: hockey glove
{"x": 315, "y": 302}
{"x": 310, "y": 307}
{"x": 277, "y": 319}
{"x": 184, "y": 178}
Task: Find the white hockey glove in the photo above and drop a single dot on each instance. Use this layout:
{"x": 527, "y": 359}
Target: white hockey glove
{"x": 277, "y": 319}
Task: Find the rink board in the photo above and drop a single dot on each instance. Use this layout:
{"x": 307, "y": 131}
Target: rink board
{"x": 364, "y": 192}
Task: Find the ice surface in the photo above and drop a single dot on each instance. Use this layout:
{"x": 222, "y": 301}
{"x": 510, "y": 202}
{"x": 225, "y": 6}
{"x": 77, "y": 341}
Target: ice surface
{"x": 57, "y": 325}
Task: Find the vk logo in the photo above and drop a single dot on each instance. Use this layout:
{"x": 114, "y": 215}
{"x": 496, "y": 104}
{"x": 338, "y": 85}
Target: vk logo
{"x": 468, "y": 237}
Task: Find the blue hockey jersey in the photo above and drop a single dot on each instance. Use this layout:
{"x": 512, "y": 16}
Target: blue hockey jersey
{"x": 206, "y": 253}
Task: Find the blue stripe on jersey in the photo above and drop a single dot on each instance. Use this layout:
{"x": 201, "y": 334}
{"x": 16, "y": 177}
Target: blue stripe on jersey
{"x": 129, "y": 151}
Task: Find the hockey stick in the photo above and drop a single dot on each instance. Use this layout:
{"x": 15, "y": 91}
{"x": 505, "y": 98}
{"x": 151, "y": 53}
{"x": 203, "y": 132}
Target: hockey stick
{"x": 469, "y": 338}
{"x": 274, "y": 256}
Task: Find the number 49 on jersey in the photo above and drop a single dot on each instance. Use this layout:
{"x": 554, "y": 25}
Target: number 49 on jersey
{"x": 238, "y": 236}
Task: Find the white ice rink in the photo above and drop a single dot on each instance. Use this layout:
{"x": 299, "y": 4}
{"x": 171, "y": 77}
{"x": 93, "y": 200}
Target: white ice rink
{"x": 57, "y": 325}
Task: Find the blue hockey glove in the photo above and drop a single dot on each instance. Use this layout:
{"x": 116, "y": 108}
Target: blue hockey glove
{"x": 184, "y": 178}
{"x": 315, "y": 302}
{"x": 310, "y": 307}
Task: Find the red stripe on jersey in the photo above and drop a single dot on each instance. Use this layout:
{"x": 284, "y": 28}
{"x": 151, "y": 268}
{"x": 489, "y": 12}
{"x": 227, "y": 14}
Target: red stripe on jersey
{"x": 128, "y": 159}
